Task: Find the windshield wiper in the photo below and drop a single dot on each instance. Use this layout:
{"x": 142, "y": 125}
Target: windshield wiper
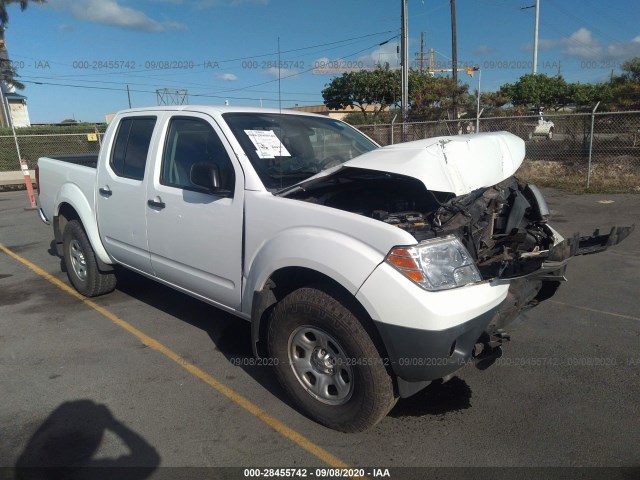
{"x": 295, "y": 173}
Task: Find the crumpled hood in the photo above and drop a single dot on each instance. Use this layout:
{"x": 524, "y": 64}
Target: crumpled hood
{"x": 457, "y": 164}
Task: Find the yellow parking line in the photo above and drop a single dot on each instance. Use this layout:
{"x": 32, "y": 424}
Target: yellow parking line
{"x": 619, "y": 315}
{"x": 235, "y": 397}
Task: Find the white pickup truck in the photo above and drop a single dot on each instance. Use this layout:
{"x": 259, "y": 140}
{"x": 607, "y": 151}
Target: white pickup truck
{"x": 365, "y": 272}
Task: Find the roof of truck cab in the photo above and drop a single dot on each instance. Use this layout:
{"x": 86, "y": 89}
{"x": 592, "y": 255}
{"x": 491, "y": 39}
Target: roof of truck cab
{"x": 219, "y": 109}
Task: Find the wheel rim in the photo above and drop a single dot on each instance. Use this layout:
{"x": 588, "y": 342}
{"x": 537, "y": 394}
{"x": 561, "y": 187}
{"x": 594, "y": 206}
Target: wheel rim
{"x": 321, "y": 366}
{"x": 78, "y": 262}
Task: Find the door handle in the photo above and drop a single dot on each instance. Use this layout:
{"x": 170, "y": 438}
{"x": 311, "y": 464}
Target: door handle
{"x": 105, "y": 191}
{"x": 156, "y": 204}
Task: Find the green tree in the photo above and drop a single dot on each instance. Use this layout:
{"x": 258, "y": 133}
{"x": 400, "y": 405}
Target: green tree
{"x": 631, "y": 69}
{"x": 433, "y": 97}
{"x": 585, "y": 95}
{"x": 493, "y": 102}
{"x": 537, "y": 90}
{"x": 378, "y": 88}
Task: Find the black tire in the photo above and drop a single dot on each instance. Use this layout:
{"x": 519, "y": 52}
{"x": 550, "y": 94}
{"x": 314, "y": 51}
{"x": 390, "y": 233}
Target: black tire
{"x": 81, "y": 265}
{"x": 353, "y": 353}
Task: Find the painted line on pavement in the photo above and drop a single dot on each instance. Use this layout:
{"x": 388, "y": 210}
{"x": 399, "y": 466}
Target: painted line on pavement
{"x": 594, "y": 310}
{"x": 235, "y": 397}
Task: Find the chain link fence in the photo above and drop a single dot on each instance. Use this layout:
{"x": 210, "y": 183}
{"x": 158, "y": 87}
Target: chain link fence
{"x": 578, "y": 152}
{"x": 35, "y": 145}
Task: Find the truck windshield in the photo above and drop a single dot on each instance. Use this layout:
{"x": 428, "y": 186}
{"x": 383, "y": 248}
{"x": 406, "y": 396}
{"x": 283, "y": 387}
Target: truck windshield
{"x": 286, "y": 149}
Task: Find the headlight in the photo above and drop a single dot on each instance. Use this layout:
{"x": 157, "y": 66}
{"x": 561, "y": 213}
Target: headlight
{"x": 437, "y": 264}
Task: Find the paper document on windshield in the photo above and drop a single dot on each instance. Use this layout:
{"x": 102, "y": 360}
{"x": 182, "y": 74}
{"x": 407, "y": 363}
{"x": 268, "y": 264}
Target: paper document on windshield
{"x": 267, "y": 144}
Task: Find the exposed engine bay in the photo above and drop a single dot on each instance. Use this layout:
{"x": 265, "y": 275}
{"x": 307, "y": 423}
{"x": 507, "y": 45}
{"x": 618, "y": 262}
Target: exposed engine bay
{"x": 504, "y": 227}
{"x": 497, "y": 224}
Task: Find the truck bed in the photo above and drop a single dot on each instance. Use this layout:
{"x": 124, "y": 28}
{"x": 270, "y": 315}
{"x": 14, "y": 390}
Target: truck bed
{"x": 84, "y": 159}
{"x": 65, "y": 177}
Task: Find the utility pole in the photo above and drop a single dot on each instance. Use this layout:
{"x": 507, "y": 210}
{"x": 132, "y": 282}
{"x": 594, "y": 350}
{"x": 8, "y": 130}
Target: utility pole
{"x": 535, "y": 35}
{"x": 421, "y": 52}
{"x": 454, "y": 58}
{"x": 405, "y": 63}
{"x": 535, "y": 39}
{"x": 128, "y": 96}
{"x": 421, "y": 56}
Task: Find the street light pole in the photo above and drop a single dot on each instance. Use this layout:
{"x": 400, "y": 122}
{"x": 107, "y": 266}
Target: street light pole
{"x": 535, "y": 35}
{"x": 454, "y": 58}
{"x": 405, "y": 63}
{"x": 478, "y": 112}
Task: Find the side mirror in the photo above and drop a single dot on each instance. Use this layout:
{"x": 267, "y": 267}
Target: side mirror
{"x": 207, "y": 176}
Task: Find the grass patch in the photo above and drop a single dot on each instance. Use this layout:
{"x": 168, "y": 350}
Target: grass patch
{"x": 613, "y": 175}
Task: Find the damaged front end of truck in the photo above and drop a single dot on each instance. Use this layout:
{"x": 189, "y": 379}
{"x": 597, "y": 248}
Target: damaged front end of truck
{"x": 505, "y": 229}
{"x": 437, "y": 189}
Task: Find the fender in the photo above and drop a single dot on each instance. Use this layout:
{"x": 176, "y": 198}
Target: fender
{"x": 73, "y": 195}
{"x": 342, "y": 257}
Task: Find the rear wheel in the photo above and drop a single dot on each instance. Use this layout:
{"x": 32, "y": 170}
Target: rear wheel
{"x": 81, "y": 265}
{"x": 327, "y": 361}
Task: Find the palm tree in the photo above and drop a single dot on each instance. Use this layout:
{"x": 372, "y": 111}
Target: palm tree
{"x": 4, "y": 16}
{"x": 7, "y": 71}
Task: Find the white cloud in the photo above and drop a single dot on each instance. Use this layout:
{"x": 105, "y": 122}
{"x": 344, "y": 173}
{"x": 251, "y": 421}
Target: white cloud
{"x": 582, "y": 44}
{"x": 387, "y": 53}
{"x": 200, "y": 4}
{"x": 282, "y": 73}
{"x": 251, "y": 2}
{"x": 481, "y": 50}
{"x": 579, "y": 44}
{"x": 624, "y": 50}
{"x": 110, "y": 12}
{"x": 381, "y": 55}
{"x": 227, "y": 77}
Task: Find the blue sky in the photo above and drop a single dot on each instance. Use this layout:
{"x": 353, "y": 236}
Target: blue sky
{"x": 227, "y": 49}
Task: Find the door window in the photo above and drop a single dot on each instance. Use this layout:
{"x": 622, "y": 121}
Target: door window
{"x": 131, "y": 147}
{"x": 193, "y": 141}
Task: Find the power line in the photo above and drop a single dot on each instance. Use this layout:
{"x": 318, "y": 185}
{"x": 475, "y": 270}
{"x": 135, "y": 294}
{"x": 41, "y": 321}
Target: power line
{"x": 93, "y": 87}
{"x": 250, "y": 57}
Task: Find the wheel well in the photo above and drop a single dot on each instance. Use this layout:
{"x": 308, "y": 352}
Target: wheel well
{"x": 66, "y": 213}
{"x": 286, "y": 280}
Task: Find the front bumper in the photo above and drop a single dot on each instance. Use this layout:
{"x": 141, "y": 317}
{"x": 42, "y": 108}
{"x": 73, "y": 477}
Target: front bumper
{"x": 426, "y": 355}
{"x": 431, "y": 335}
{"x": 428, "y": 335}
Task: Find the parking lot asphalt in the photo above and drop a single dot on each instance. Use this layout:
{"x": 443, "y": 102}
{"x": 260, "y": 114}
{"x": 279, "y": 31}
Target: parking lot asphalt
{"x": 148, "y": 376}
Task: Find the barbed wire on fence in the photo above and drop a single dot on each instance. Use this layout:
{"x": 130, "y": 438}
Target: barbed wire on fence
{"x": 557, "y": 154}
{"x": 564, "y": 154}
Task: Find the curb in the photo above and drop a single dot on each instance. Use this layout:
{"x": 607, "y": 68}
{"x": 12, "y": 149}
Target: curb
{"x": 15, "y": 178}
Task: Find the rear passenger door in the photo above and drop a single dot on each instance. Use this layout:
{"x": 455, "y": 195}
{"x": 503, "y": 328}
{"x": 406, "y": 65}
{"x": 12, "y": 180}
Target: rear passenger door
{"x": 195, "y": 236}
{"x": 121, "y": 200}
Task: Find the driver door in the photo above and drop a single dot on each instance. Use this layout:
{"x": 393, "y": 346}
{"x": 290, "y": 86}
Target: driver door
{"x": 195, "y": 236}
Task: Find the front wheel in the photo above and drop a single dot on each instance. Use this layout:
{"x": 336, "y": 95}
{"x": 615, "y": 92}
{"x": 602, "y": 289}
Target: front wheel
{"x": 81, "y": 265}
{"x": 327, "y": 361}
